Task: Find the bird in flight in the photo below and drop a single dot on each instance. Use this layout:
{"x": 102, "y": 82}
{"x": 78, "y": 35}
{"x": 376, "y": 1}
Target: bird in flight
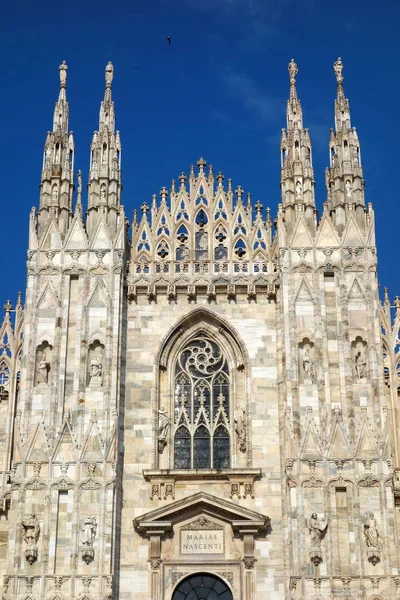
{"x": 169, "y": 39}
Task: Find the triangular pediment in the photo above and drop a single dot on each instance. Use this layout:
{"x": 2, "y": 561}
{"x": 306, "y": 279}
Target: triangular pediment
{"x": 76, "y": 238}
{"x": 352, "y": 235}
{"x": 301, "y": 236}
{"x": 101, "y": 239}
{"x": 201, "y": 504}
{"x": 52, "y": 237}
{"x": 327, "y": 236}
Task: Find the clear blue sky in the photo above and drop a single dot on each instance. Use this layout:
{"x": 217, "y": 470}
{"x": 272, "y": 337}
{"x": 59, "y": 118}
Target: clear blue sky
{"x": 218, "y": 91}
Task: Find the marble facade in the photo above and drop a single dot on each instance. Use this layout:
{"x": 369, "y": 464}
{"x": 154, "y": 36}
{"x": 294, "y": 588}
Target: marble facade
{"x": 292, "y": 490}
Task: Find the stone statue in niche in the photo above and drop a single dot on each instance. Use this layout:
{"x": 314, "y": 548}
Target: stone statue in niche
{"x": 88, "y": 529}
{"x": 348, "y": 188}
{"x": 30, "y": 533}
{"x": 371, "y": 534}
{"x": 54, "y": 193}
{"x": 371, "y": 531}
{"x": 43, "y": 364}
{"x": 317, "y": 532}
{"x": 96, "y": 365}
{"x": 307, "y": 363}
{"x": 360, "y": 360}
{"x": 299, "y": 189}
{"x": 239, "y": 418}
{"x": 103, "y": 192}
{"x": 163, "y": 428}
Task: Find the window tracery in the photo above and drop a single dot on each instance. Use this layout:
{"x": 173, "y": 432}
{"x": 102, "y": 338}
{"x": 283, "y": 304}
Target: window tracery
{"x": 202, "y": 407}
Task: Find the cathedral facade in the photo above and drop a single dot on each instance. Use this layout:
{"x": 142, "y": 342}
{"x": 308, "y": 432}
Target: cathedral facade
{"x": 201, "y": 403}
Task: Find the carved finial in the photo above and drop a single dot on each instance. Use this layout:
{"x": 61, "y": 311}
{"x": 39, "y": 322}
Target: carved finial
{"x": 293, "y": 70}
{"x": 201, "y": 163}
{"x": 182, "y": 179}
{"x": 163, "y": 194}
{"x": 144, "y": 208}
{"x": 63, "y": 74}
{"x": 220, "y": 178}
{"x": 338, "y": 68}
{"x": 386, "y": 295}
{"x": 8, "y": 306}
{"x": 258, "y": 206}
{"x": 397, "y": 304}
{"x": 109, "y": 74}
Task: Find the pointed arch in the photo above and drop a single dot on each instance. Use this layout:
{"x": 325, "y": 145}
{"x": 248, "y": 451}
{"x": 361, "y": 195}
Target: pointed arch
{"x": 202, "y": 385}
{"x": 203, "y": 318}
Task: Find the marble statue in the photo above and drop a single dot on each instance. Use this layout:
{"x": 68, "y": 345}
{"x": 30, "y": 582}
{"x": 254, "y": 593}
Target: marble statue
{"x": 89, "y": 531}
{"x": 63, "y": 73}
{"x": 317, "y": 533}
{"x": 370, "y": 531}
{"x": 299, "y": 189}
{"x": 163, "y": 428}
{"x": 96, "y": 367}
{"x": 239, "y": 418}
{"x": 43, "y": 368}
{"x": 308, "y": 364}
{"x": 360, "y": 361}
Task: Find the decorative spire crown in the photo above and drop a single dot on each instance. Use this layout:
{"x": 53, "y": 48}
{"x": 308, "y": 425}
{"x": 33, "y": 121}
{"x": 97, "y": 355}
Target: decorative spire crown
{"x": 63, "y": 74}
{"x": 338, "y": 68}
{"x": 109, "y": 74}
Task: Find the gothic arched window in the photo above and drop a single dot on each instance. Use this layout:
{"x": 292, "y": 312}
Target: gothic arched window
{"x": 202, "y": 407}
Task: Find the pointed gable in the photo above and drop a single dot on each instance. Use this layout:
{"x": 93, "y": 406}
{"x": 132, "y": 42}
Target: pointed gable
{"x": 52, "y": 237}
{"x": 301, "y": 236}
{"x": 326, "y": 236}
{"x": 101, "y": 239}
{"x": 352, "y": 235}
{"x": 38, "y": 449}
{"x": 65, "y": 448}
{"x": 92, "y": 448}
{"x": 76, "y": 238}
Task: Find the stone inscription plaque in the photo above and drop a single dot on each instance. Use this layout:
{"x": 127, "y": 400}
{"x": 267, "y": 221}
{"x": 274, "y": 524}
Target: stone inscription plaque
{"x": 203, "y": 541}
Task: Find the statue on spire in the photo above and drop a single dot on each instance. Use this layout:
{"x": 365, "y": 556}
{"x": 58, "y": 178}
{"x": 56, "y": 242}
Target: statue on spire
{"x": 109, "y": 74}
{"x": 338, "y": 68}
{"x": 293, "y": 70}
{"x": 63, "y": 74}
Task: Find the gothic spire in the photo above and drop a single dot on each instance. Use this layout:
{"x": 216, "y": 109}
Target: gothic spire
{"x": 297, "y": 174}
{"x": 294, "y": 113}
{"x": 56, "y": 189}
{"x": 345, "y": 185}
{"x": 105, "y": 163}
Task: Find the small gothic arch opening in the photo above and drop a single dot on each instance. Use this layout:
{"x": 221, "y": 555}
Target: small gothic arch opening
{"x": 4, "y": 381}
{"x": 44, "y": 354}
{"x": 220, "y": 248}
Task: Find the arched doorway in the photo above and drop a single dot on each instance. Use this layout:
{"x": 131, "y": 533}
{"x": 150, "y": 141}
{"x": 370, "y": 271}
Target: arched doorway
{"x": 202, "y": 585}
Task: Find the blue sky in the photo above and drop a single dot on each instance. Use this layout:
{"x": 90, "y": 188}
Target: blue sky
{"x": 218, "y": 91}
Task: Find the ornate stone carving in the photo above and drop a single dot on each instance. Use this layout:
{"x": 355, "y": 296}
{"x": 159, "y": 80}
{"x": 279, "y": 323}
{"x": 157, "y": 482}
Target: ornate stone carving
{"x": 30, "y": 533}
{"x": 155, "y": 491}
{"x": 176, "y": 576}
{"x": 202, "y": 523}
{"x": 228, "y": 575}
